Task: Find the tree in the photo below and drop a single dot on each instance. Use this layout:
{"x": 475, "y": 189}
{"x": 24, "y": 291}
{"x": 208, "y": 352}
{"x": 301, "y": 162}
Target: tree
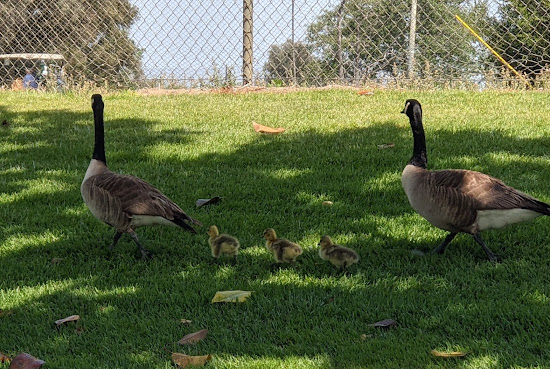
{"x": 521, "y": 34}
{"x": 365, "y": 39}
{"x": 92, "y": 36}
{"x": 291, "y": 63}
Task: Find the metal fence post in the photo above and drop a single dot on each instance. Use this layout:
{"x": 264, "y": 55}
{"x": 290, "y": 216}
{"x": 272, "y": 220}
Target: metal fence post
{"x": 247, "y": 41}
{"x": 412, "y": 41}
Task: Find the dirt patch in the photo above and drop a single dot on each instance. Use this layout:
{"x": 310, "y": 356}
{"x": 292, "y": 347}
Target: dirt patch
{"x": 238, "y": 90}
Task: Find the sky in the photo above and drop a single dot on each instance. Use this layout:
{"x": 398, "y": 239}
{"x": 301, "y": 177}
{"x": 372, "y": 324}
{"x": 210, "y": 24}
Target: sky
{"x": 187, "y": 39}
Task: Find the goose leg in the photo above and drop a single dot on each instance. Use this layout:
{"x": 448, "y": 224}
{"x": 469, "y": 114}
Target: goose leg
{"x": 144, "y": 253}
{"x": 441, "y": 248}
{"x": 492, "y": 257}
{"x": 115, "y": 240}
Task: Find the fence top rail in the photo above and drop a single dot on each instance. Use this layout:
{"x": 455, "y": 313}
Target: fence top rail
{"x": 33, "y": 56}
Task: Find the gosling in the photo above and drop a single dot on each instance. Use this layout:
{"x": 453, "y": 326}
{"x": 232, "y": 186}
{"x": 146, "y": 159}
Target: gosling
{"x": 340, "y": 256}
{"x": 222, "y": 244}
{"x": 284, "y": 251}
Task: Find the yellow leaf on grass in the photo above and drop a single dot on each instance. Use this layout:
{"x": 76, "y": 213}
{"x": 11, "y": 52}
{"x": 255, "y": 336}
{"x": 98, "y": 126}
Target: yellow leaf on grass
{"x": 194, "y": 337}
{"x": 72, "y": 318}
{"x": 449, "y": 354}
{"x": 184, "y": 361}
{"x": 231, "y": 296}
{"x": 265, "y": 129}
{"x": 4, "y": 358}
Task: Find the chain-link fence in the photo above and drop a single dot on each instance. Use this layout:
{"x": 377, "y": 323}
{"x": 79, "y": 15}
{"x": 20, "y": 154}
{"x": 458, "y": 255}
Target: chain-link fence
{"x": 175, "y": 43}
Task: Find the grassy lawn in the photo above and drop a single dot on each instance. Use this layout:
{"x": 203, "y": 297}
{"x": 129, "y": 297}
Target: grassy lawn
{"x": 55, "y": 262}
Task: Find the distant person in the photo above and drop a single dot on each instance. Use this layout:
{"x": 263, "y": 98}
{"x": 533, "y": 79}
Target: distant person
{"x": 29, "y": 81}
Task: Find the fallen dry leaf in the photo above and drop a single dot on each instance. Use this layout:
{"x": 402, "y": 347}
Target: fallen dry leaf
{"x": 365, "y": 337}
{"x": 183, "y": 360}
{"x": 386, "y": 323}
{"x": 4, "y": 358}
{"x": 448, "y": 354}
{"x": 265, "y": 129}
{"x": 327, "y": 203}
{"x": 385, "y": 146}
{"x": 5, "y": 313}
{"x": 185, "y": 321}
{"x": 72, "y": 318}
{"x": 25, "y": 361}
{"x": 364, "y": 92}
{"x": 203, "y": 202}
{"x": 231, "y": 296}
{"x": 194, "y": 337}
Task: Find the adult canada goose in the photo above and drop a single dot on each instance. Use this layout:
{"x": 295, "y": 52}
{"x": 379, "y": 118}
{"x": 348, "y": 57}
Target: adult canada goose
{"x": 461, "y": 200}
{"x": 125, "y": 202}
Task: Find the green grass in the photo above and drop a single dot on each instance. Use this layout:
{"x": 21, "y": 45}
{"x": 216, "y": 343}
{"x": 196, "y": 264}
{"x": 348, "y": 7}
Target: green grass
{"x": 303, "y": 316}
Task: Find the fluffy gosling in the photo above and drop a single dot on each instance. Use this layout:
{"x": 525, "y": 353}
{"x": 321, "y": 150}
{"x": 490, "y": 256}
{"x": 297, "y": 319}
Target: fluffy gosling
{"x": 283, "y": 250}
{"x": 222, "y": 244}
{"x": 340, "y": 256}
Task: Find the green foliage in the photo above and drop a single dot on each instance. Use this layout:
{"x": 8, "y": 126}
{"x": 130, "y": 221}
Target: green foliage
{"x": 291, "y": 64}
{"x": 55, "y": 262}
{"x": 521, "y": 33}
{"x": 92, "y": 36}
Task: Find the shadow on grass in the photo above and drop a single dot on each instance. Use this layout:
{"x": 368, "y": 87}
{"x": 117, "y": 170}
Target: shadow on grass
{"x": 131, "y": 309}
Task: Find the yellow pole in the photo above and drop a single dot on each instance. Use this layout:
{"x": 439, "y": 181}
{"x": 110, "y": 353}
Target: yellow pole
{"x": 492, "y": 50}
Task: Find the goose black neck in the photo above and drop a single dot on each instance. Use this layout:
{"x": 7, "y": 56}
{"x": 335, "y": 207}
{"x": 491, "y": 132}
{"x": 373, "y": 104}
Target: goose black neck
{"x": 419, "y": 157}
{"x": 99, "y": 144}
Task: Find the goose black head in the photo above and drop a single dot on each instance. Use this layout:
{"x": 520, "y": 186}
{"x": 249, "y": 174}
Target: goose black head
{"x": 97, "y": 102}
{"x": 412, "y": 106}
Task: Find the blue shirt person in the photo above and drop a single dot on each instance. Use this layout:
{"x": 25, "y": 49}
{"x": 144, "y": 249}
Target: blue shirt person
{"x": 29, "y": 81}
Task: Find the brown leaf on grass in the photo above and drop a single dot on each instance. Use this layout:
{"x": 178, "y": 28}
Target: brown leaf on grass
{"x": 365, "y": 92}
{"x": 203, "y": 202}
{"x": 5, "y": 313}
{"x": 186, "y": 321}
{"x": 25, "y": 361}
{"x": 265, "y": 129}
{"x": 4, "y": 358}
{"x": 365, "y": 336}
{"x": 386, "y": 323}
{"x": 72, "y": 318}
{"x": 327, "y": 203}
{"x": 385, "y": 146}
{"x": 194, "y": 337}
{"x": 184, "y": 361}
{"x": 231, "y": 296}
{"x": 448, "y": 354}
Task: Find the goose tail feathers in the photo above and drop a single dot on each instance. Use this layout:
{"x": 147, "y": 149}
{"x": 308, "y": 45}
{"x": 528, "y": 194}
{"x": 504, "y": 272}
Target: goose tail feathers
{"x": 183, "y": 221}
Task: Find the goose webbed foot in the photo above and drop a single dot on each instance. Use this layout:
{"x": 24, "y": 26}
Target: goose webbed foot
{"x": 145, "y": 254}
{"x": 490, "y": 255}
{"x": 115, "y": 240}
{"x": 441, "y": 248}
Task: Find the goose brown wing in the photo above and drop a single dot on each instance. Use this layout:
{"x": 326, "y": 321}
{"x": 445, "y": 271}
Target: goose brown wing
{"x": 484, "y": 192}
{"x": 136, "y": 197}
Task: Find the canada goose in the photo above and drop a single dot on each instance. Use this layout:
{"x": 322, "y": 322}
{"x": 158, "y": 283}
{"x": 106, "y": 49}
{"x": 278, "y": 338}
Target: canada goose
{"x": 339, "y": 256}
{"x": 283, "y": 250}
{"x": 222, "y": 243}
{"x": 121, "y": 201}
{"x": 461, "y": 200}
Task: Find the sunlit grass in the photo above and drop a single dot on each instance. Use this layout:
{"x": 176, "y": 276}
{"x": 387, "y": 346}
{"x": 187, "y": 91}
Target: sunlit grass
{"x": 55, "y": 262}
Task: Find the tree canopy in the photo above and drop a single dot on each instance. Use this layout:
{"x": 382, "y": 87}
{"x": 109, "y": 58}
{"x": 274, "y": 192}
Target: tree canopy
{"x": 91, "y": 35}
